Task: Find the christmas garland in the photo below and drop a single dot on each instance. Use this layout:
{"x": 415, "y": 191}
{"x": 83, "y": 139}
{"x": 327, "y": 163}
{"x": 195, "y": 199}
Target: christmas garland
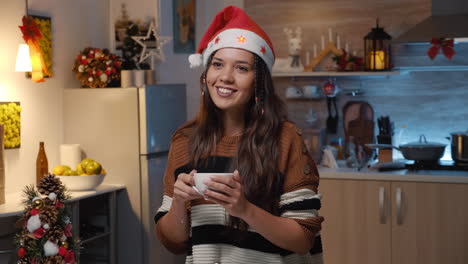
{"x": 97, "y": 68}
{"x": 44, "y": 235}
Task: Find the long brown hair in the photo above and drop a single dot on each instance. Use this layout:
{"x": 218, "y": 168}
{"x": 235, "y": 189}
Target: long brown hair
{"x": 257, "y": 154}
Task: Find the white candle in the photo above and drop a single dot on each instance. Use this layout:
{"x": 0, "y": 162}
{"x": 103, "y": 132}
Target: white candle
{"x": 346, "y": 47}
{"x": 307, "y": 62}
{"x": 338, "y": 42}
{"x": 315, "y": 50}
{"x": 323, "y": 42}
{"x": 354, "y": 53}
{"x": 330, "y": 38}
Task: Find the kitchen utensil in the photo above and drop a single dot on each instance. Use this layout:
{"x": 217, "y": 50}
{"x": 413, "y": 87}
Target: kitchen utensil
{"x": 332, "y": 120}
{"x": 459, "y": 147}
{"x": 419, "y": 151}
{"x": 362, "y": 128}
{"x": 351, "y": 111}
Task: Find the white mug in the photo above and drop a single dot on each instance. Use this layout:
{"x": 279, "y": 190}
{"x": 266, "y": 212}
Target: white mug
{"x": 293, "y": 92}
{"x": 200, "y": 179}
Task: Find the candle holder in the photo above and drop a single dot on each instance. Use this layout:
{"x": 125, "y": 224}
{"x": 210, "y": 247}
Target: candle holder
{"x": 377, "y": 50}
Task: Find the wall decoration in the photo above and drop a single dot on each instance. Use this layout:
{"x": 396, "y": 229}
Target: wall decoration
{"x": 184, "y": 26}
{"x": 11, "y": 119}
{"x": 45, "y": 43}
{"x": 152, "y": 42}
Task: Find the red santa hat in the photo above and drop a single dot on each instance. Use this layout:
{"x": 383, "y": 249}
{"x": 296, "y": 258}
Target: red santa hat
{"x": 232, "y": 28}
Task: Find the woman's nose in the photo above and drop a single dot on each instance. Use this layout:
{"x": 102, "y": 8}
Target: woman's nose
{"x": 226, "y": 75}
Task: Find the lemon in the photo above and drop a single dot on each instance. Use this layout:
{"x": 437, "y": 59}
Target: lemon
{"x": 60, "y": 169}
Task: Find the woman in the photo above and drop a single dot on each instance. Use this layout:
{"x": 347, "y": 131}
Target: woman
{"x": 265, "y": 213}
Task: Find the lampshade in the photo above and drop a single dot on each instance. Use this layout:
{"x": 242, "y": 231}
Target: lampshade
{"x": 23, "y": 61}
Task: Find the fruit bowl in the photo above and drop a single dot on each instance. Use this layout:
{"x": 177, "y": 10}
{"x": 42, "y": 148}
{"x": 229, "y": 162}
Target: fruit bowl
{"x": 82, "y": 183}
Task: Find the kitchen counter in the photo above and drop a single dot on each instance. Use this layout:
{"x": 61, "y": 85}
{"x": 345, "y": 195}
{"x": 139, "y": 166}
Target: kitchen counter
{"x": 442, "y": 176}
{"x": 13, "y": 202}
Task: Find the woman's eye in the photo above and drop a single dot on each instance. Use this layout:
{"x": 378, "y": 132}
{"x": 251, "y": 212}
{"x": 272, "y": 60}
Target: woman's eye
{"x": 243, "y": 68}
{"x": 216, "y": 64}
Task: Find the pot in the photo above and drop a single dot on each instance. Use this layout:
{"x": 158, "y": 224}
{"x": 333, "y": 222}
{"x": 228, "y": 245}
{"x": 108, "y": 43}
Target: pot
{"x": 419, "y": 151}
{"x": 460, "y": 147}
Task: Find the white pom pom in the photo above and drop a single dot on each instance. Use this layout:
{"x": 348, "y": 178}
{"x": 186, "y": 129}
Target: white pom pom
{"x": 52, "y": 196}
{"x": 46, "y": 226}
{"x": 33, "y": 223}
{"x": 50, "y": 248}
{"x": 36, "y": 198}
{"x": 195, "y": 60}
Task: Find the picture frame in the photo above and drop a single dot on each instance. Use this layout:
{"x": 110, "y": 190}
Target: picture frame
{"x": 45, "y": 43}
{"x": 184, "y": 26}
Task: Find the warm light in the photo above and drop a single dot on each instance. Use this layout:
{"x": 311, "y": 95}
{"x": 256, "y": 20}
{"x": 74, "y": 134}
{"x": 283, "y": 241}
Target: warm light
{"x": 23, "y": 61}
{"x": 377, "y": 60}
{"x": 241, "y": 39}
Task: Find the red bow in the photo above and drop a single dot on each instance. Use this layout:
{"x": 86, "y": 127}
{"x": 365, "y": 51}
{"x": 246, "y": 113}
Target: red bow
{"x": 30, "y": 29}
{"x": 445, "y": 44}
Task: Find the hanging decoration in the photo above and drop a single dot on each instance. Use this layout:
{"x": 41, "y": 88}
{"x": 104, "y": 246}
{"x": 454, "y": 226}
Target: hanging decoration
{"x": 32, "y": 35}
{"x": 441, "y": 43}
{"x": 157, "y": 50}
{"x": 44, "y": 234}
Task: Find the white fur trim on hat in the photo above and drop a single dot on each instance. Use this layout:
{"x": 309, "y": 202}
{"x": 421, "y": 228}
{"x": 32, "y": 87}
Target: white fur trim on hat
{"x": 195, "y": 60}
{"x": 252, "y": 42}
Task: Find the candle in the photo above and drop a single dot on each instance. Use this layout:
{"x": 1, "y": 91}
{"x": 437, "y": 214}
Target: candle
{"x": 354, "y": 53}
{"x": 338, "y": 42}
{"x": 307, "y": 62}
{"x": 315, "y": 50}
{"x": 377, "y": 60}
{"x": 323, "y": 42}
{"x": 346, "y": 47}
{"x": 330, "y": 38}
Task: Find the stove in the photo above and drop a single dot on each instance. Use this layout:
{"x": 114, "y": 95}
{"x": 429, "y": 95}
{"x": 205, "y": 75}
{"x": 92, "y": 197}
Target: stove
{"x": 439, "y": 165}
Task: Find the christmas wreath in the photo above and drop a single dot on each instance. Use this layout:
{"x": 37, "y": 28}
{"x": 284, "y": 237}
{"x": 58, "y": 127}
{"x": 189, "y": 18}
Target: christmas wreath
{"x": 97, "y": 68}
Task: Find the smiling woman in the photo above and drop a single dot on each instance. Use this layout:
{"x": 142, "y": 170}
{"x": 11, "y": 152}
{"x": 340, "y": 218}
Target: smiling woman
{"x": 267, "y": 212}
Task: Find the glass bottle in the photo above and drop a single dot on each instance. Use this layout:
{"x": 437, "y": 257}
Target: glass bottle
{"x": 42, "y": 166}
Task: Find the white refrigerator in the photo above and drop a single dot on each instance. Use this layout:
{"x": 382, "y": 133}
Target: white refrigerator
{"x": 129, "y": 130}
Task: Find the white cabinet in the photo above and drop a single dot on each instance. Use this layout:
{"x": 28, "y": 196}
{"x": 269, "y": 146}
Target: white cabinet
{"x": 394, "y": 222}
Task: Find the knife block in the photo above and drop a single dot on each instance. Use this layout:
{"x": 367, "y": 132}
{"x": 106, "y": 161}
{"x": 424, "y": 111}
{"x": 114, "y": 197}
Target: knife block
{"x": 385, "y": 155}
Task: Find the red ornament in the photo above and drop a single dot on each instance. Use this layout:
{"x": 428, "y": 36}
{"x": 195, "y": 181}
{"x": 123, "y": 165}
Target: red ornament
{"x": 34, "y": 211}
{"x": 70, "y": 257}
{"x": 21, "y": 252}
{"x": 62, "y": 251}
{"x": 68, "y": 229}
{"x": 329, "y": 89}
{"x": 39, "y": 232}
{"x": 58, "y": 204}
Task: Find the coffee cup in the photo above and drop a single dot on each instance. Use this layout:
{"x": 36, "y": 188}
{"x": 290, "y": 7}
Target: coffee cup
{"x": 309, "y": 90}
{"x": 200, "y": 178}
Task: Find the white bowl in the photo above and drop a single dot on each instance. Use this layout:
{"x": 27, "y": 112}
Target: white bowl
{"x": 82, "y": 183}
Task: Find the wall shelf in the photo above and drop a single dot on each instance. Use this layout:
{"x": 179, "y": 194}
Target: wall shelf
{"x": 330, "y": 73}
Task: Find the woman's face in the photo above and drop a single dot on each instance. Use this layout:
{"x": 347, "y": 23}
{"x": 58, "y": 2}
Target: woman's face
{"x": 230, "y": 79}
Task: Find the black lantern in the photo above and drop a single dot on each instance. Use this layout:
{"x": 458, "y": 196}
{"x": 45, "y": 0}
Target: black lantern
{"x": 377, "y": 50}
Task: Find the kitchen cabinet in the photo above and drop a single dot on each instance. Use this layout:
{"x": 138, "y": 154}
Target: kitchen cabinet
{"x": 94, "y": 223}
{"x": 334, "y": 74}
{"x": 394, "y": 222}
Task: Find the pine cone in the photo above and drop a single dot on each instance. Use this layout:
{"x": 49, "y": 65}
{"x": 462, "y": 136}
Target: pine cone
{"x": 50, "y": 184}
{"x": 57, "y": 259}
{"x": 54, "y": 234}
{"x": 49, "y": 215}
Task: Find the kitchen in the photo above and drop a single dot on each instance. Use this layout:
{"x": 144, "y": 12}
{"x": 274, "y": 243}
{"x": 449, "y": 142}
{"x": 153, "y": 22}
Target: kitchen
{"x": 426, "y": 102}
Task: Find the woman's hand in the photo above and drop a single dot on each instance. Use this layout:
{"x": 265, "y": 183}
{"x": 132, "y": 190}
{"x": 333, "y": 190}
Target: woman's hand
{"x": 228, "y": 194}
{"x": 183, "y": 190}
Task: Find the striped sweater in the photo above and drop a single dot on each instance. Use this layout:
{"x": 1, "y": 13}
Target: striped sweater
{"x": 211, "y": 240}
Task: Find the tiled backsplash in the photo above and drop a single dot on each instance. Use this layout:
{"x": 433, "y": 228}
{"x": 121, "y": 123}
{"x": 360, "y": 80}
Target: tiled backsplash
{"x": 430, "y": 103}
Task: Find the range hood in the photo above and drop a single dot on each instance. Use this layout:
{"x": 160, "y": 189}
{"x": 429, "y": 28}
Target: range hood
{"x": 449, "y": 18}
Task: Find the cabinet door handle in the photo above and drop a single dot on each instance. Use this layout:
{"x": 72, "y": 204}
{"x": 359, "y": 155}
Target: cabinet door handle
{"x": 382, "y": 204}
{"x": 398, "y": 198}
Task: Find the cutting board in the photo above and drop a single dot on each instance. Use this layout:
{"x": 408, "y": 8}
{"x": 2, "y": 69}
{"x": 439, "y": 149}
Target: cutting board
{"x": 361, "y": 128}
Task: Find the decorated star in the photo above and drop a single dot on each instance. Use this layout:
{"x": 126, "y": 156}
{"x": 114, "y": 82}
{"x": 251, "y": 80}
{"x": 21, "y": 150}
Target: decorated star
{"x": 157, "y": 51}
